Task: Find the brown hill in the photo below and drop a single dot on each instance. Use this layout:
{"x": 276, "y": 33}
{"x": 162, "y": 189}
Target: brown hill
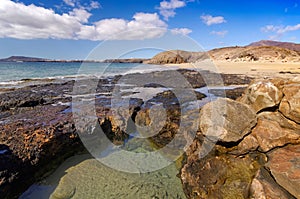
{"x": 255, "y": 53}
{"x": 287, "y": 45}
{"x": 177, "y": 57}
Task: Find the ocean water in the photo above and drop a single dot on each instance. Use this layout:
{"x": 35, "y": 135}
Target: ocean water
{"x": 16, "y": 72}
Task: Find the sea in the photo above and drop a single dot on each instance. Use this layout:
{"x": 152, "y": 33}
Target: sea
{"x": 18, "y": 72}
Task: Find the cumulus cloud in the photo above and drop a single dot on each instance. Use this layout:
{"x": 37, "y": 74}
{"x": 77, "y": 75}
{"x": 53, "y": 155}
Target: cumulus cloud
{"x": 219, "y": 33}
{"x": 143, "y": 26}
{"x": 167, "y": 8}
{"x": 181, "y": 31}
{"x": 33, "y": 22}
{"x": 210, "y": 20}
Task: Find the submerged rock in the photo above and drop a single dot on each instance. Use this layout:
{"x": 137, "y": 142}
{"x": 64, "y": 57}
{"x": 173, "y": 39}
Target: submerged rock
{"x": 91, "y": 179}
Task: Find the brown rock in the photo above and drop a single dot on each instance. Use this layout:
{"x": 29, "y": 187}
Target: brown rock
{"x": 218, "y": 177}
{"x": 226, "y": 120}
{"x": 249, "y": 143}
{"x": 264, "y": 187}
{"x": 290, "y": 105}
{"x": 261, "y": 95}
{"x": 284, "y": 166}
{"x": 274, "y": 130}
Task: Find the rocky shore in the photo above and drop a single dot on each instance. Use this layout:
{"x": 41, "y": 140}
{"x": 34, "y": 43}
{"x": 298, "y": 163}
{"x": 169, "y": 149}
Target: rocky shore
{"x": 255, "y": 155}
{"x": 258, "y": 147}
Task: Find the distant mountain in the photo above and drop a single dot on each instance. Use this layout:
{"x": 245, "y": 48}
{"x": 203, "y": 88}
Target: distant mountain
{"x": 287, "y": 45}
{"x": 23, "y": 59}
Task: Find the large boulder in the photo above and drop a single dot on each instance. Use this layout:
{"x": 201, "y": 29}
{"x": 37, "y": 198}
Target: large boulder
{"x": 262, "y": 95}
{"x": 290, "y": 105}
{"x": 226, "y": 120}
{"x": 284, "y": 166}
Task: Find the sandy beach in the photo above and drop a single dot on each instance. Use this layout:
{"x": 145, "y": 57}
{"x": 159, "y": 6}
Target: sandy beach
{"x": 253, "y": 69}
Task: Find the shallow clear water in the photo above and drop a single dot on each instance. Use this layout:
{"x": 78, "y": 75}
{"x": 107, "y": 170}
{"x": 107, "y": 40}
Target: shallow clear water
{"x": 83, "y": 177}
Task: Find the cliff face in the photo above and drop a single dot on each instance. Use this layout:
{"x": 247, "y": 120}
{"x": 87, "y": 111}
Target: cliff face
{"x": 256, "y": 158}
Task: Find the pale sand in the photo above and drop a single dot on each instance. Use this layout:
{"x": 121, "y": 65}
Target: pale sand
{"x": 253, "y": 69}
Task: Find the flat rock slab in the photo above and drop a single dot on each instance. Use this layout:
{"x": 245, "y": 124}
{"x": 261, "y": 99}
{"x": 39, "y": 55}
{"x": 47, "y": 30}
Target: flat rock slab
{"x": 284, "y": 165}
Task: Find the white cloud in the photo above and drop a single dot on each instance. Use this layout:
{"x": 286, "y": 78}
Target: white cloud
{"x": 87, "y": 6}
{"x": 173, "y": 4}
{"x": 219, "y": 33}
{"x": 210, "y": 20}
{"x": 32, "y": 22}
{"x": 70, "y": 2}
{"x": 270, "y": 28}
{"x": 279, "y": 30}
{"x": 288, "y": 29}
{"x": 143, "y": 26}
{"x": 167, "y": 8}
{"x": 80, "y": 14}
{"x": 95, "y": 5}
{"x": 181, "y": 31}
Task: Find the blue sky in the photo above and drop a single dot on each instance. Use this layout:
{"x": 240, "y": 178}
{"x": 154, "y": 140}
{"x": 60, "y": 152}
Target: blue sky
{"x": 70, "y": 29}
